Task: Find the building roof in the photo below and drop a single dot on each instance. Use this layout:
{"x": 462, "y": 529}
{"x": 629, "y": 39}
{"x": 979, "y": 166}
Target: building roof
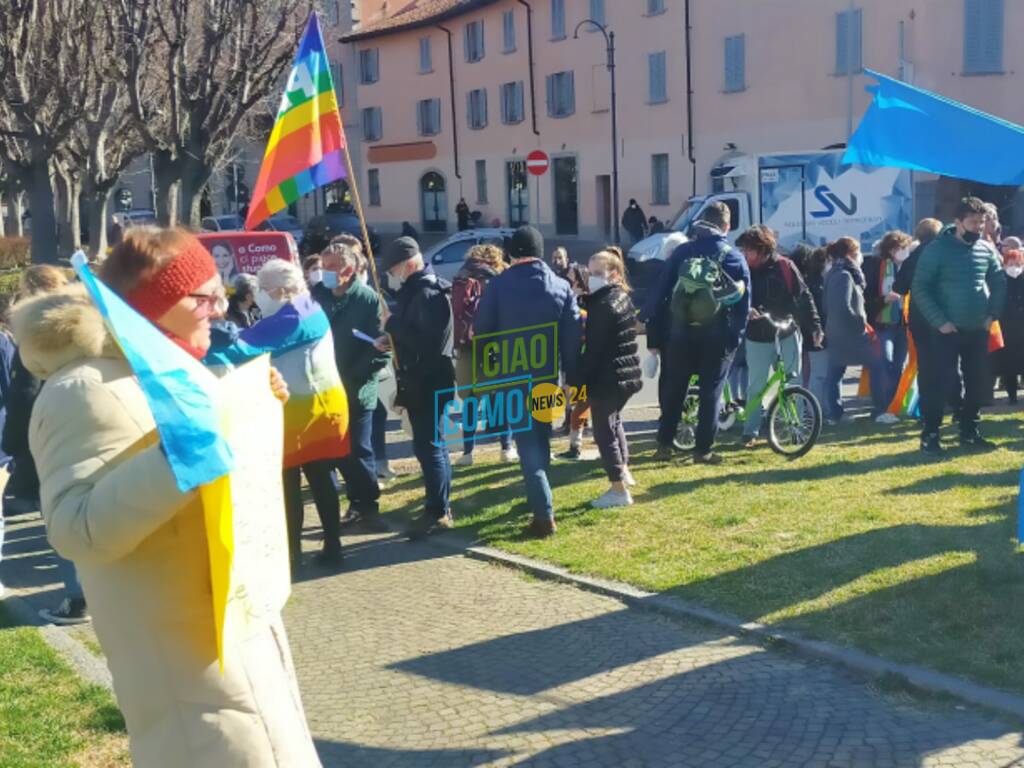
{"x": 413, "y": 14}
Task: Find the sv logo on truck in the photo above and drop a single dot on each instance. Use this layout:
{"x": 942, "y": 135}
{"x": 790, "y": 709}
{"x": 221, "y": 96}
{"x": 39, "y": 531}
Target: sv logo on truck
{"x": 832, "y": 201}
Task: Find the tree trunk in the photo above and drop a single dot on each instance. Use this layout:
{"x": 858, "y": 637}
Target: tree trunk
{"x": 65, "y": 228}
{"x": 167, "y": 178}
{"x": 5, "y": 198}
{"x": 194, "y": 178}
{"x": 41, "y": 208}
{"x": 15, "y": 208}
{"x": 76, "y": 214}
{"x": 97, "y": 201}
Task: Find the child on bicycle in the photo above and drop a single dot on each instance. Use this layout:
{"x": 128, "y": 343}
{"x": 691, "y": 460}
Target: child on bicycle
{"x": 609, "y": 368}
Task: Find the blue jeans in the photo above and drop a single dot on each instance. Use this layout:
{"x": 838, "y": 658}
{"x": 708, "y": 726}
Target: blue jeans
{"x": 876, "y": 366}
{"x": 894, "y": 350}
{"x": 359, "y": 468}
{"x": 66, "y": 573}
{"x": 535, "y": 460}
{"x": 816, "y": 380}
{"x": 432, "y": 454}
{"x": 380, "y": 432}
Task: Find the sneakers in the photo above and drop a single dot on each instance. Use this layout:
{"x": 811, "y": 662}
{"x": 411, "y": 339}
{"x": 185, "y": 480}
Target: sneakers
{"x": 386, "y": 473}
{"x": 711, "y": 459}
{"x": 71, "y": 611}
{"x": 465, "y": 460}
{"x": 329, "y": 557}
{"x": 976, "y": 442}
{"x": 887, "y": 418}
{"x": 541, "y": 529}
{"x": 750, "y": 441}
{"x": 628, "y": 479}
{"x": 369, "y": 521}
{"x": 573, "y": 454}
{"x": 663, "y": 453}
{"x": 510, "y": 455}
{"x": 426, "y": 524}
{"x": 931, "y": 445}
{"x": 612, "y": 498}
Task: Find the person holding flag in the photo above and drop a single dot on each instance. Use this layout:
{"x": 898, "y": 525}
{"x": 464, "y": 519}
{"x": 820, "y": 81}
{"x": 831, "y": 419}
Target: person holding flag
{"x": 120, "y": 506}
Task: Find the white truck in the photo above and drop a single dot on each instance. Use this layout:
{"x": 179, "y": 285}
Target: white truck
{"x": 806, "y": 197}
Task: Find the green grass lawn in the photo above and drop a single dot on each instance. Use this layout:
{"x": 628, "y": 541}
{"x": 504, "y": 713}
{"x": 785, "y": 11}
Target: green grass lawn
{"x": 48, "y": 716}
{"x": 864, "y": 542}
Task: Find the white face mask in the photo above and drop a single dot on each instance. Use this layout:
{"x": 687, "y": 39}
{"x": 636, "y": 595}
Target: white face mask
{"x": 1015, "y": 270}
{"x": 363, "y": 278}
{"x": 268, "y": 304}
{"x": 859, "y": 260}
{"x": 315, "y": 277}
{"x": 596, "y": 283}
{"x": 901, "y": 255}
{"x": 395, "y": 282}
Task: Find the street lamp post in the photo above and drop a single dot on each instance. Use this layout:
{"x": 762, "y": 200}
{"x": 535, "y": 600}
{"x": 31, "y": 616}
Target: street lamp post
{"x": 609, "y": 39}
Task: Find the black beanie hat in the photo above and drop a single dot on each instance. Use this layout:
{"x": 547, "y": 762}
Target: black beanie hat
{"x": 527, "y": 243}
{"x": 402, "y": 249}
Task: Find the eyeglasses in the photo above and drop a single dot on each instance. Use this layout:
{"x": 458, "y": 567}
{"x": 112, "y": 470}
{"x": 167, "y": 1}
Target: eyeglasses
{"x": 208, "y": 304}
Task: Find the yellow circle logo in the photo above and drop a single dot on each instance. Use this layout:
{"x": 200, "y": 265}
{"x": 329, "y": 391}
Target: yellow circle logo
{"x": 547, "y": 401}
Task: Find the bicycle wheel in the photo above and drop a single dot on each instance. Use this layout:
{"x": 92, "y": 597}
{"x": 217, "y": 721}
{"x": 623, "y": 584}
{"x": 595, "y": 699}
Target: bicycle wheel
{"x": 686, "y": 435}
{"x": 794, "y": 422}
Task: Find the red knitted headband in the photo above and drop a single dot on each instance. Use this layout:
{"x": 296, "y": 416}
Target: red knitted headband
{"x": 191, "y": 268}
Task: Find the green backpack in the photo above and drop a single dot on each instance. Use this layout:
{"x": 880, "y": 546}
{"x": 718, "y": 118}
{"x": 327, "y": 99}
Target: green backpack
{"x": 703, "y": 288}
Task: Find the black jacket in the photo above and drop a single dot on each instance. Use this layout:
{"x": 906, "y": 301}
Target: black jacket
{"x": 421, "y": 328}
{"x": 1012, "y": 324}
{"x": 634, "y": 221}
{"x": 874, "y": 301}
{"x": 770, "y": 292}
{"x": 919, "y": 327}
{"x": 21, "y": 396}
{"x": 609, "y": 362}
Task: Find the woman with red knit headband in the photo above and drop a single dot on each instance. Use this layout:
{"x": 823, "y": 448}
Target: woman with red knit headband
{"x": 138, "y": 542}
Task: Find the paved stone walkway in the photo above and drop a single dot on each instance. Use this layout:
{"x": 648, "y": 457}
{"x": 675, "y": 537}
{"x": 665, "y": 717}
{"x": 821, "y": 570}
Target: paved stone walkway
{"x": 413, "y": 656}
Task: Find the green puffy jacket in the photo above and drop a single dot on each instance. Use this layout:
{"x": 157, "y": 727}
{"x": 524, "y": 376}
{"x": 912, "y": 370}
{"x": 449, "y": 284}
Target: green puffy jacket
{"x": 958, "y": 283}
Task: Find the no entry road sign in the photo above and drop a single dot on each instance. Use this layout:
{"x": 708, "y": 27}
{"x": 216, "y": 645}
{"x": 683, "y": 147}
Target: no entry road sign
{"x": 538, "y": 162}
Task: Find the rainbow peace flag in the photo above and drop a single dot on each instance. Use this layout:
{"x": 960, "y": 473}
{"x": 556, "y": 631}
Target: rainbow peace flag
{"x": 299, "y": 340}
{"x": 306, "y": 148}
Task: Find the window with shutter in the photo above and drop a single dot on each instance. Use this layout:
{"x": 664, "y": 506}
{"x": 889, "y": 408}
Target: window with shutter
{"x": 983, "y": 37}
{"x": 656, "y": 91}
{"x": 481, "y": 181}
{"x": 596, "y": 13}
{"x": 373, "y": 184}
{"x": 557, "y": 19}
{"x": 426, "y": 56}
{"x": 477, "y": 108}
{"x": 369, "y": 66}
{"x": 429, "y": 117}
{"x": 655, "y": 7}
{"x": 659, "y": 180}
{"x": 372, "y": 124}
{"x": 735, "y": 64}
{"x": 561, "y": 94}
{"x": 474, "y": 43}
{"x": 849, "y": 42}
{"x": 512, "y": 103}
{"x": 508, "y": 31}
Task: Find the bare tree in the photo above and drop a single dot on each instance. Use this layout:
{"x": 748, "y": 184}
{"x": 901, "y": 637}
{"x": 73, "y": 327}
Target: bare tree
{"x": 40, "y": 99}
{"x": 194, "y": 71}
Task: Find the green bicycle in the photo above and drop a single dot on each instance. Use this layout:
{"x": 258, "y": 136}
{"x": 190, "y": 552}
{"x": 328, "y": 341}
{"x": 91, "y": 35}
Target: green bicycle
{"x": 794, "y": 414}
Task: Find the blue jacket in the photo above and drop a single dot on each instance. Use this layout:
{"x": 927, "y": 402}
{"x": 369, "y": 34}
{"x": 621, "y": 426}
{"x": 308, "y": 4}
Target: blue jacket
{"x": 528, "y": 294}
{"x": 657, "y": 311}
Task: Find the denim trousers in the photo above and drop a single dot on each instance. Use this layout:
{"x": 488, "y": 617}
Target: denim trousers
{"x": 432, "y": 455}
{"x": 359, "y": 467}
{"x": 535, "y": 460}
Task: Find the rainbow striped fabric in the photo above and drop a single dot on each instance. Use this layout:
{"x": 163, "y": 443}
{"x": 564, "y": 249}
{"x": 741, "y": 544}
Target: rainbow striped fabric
{"x": 306, "y": 148}
{"x": 301, "y": 346}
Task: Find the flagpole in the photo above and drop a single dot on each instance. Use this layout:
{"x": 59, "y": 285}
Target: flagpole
{"x": 354, "y": 187}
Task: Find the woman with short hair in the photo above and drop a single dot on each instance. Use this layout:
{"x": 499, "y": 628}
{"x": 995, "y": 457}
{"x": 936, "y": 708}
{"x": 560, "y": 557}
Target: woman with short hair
{"x": 112, "y": 505}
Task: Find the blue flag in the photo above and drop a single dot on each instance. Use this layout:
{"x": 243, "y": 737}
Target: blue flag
{"x": 171, "y": 380}
{"x": 906, "y": 127}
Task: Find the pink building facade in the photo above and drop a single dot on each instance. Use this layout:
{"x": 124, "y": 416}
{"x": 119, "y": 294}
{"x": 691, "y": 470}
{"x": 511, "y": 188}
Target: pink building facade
{"x": 444, "y": 100}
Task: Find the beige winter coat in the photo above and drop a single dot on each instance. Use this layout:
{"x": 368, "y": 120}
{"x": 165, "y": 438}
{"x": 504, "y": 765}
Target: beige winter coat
{"x": 112, "y": 507}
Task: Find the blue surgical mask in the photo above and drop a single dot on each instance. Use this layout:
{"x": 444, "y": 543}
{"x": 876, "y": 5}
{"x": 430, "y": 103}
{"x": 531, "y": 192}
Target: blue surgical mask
{"x": 330, "y": 279}
{"x": 395, "y": 282}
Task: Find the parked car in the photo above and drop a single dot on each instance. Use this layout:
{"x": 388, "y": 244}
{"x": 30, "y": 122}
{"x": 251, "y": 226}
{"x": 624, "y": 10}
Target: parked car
{"x": 230, "y": 222}
{"x": 447, "y": 256}
{"x": 135, "y": 217}
{"x": 284, "y": 222}
{"x": 323, "y": 228}
{"x": 247, "y": 252}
